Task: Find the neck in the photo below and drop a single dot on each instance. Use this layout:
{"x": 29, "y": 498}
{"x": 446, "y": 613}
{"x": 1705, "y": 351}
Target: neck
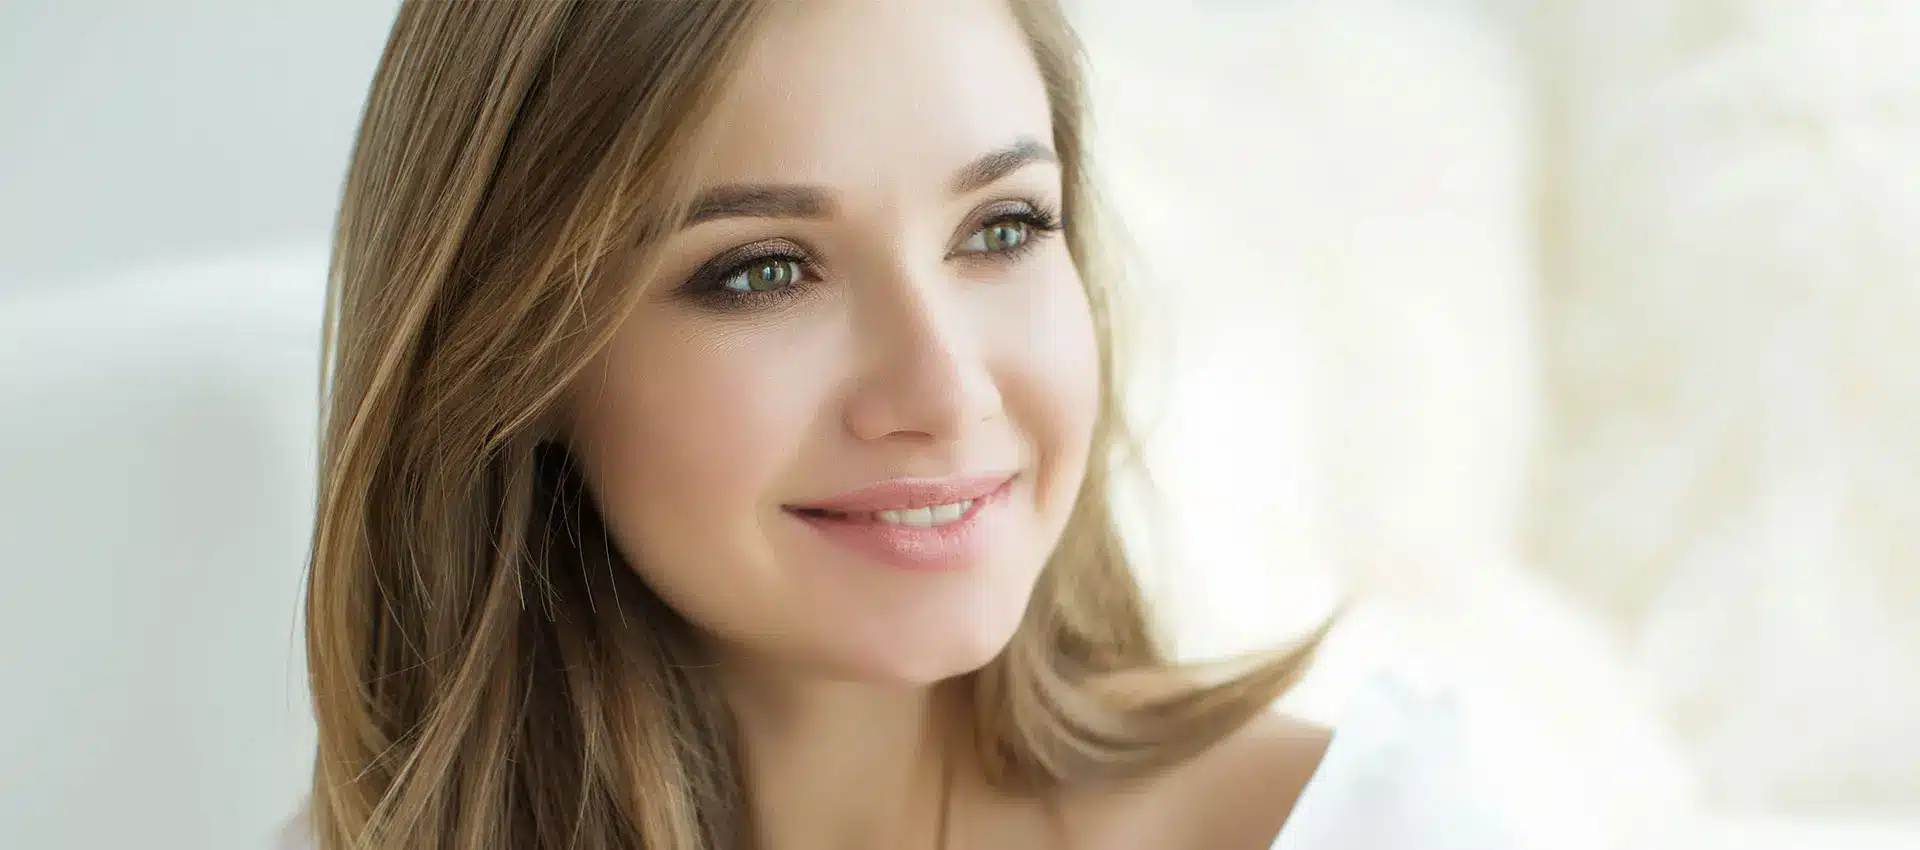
{"x": 843, "y": 765}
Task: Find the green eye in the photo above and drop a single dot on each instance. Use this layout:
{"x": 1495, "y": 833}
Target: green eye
{"x": 999, "y": 237}
{"x": 766, "y": 276}
{"x": 1005, "y": 237}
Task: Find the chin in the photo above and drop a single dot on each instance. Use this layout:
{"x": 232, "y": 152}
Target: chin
{"x": 924, "y": 659}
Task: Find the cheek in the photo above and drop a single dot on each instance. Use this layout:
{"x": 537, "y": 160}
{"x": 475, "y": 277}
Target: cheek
{"x": 1050, "y": 360}
{"x": 684, "y": 443}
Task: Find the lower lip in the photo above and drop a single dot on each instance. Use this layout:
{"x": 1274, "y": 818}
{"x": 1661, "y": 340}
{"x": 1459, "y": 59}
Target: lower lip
{"x": 946, "y": 548}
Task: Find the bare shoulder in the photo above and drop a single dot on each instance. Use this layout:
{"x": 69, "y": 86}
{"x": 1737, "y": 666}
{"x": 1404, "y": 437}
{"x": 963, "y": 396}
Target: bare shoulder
{"x": 1239, "y": 793}
{"x": 1235, "y": 795}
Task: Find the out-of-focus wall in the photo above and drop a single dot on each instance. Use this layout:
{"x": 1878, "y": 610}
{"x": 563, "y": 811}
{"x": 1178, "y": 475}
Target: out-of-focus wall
{"x": 1733, "y": 339}
{"x": 133, "y": 131}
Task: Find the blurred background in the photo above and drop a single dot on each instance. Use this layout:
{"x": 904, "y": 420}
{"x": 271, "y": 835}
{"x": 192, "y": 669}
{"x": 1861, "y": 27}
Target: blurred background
{"x": 1575, "y": 342}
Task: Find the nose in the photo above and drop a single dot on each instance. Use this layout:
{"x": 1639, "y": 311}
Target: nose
{"x": 925, "y": 375}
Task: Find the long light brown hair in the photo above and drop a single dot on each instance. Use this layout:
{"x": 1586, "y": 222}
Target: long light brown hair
{"x": 486, "y": 671}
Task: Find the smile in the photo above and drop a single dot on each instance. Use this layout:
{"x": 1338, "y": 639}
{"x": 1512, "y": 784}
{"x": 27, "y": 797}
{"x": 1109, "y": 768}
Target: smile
{"x": 928, "y": 517}
{"x": 914, "y": 524}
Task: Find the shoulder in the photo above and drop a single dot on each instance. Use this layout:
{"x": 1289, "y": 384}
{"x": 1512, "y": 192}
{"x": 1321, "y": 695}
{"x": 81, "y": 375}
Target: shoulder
{"x": 1234, "y": 795}
{"x": 1242, "y": 791}
{"x": 1397, "y": 773}
{"x": 1389, "y": 772}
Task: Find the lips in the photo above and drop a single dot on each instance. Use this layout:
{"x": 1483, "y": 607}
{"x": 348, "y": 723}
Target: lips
{"x": 919, "y": 525}
{"x": 907, "y": 496}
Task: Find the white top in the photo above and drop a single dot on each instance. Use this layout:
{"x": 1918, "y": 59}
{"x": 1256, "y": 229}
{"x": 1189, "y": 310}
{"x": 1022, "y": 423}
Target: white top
{"x": 1392, "y": 779}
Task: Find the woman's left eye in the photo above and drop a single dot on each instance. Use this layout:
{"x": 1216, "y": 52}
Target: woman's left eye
{"x": 998, "y": 237}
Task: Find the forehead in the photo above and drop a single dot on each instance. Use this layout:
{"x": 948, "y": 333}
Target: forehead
{"x": 874, "y": 94}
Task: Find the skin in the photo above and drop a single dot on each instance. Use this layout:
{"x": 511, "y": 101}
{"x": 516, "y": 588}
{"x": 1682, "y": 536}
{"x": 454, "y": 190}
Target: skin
{"x": 911, "y": 341}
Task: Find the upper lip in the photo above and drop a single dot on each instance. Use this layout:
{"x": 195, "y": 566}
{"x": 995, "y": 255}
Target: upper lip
{"x": 907, "y": 493}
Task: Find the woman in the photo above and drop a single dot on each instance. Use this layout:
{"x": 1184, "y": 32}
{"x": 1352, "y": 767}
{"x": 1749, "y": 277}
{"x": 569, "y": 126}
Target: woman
{"x": 722, "y": 414}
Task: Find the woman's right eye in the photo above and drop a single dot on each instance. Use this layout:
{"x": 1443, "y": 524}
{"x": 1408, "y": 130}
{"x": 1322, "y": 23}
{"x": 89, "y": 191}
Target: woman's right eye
{"x": 768, "y": 274}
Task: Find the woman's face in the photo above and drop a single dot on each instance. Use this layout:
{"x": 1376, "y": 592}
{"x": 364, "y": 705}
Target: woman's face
{"x": 846, "y": 426}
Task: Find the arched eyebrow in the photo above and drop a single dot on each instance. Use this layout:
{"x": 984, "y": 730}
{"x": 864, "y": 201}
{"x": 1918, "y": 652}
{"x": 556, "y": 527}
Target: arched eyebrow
{"x": 760, "y": 201}
{"x": 774, "y": 200}
{"x": 982, "y": 172}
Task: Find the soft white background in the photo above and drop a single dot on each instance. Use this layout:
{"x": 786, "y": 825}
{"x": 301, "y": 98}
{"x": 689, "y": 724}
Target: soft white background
{"x": 1573, "y": 340}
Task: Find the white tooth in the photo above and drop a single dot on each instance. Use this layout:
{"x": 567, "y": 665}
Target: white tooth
{"x": 917, "y": 517}
{"x": 889, "y": 517}
{"x": 948, "y": 513}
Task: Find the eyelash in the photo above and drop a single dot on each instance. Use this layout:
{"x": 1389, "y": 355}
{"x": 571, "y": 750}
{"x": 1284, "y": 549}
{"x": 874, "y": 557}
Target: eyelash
{"x": 706, "y": 285}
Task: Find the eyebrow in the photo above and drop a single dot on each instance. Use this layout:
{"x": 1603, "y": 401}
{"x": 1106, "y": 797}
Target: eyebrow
{"x": 759, "y": 201}
{"x": 768, "y": 200}
{"x": 982, "y": 172}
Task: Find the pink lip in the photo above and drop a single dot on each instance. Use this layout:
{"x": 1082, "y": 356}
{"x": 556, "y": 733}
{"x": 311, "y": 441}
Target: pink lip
{"x": 944, "y": 548}
{"x": 905, "y": 493}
